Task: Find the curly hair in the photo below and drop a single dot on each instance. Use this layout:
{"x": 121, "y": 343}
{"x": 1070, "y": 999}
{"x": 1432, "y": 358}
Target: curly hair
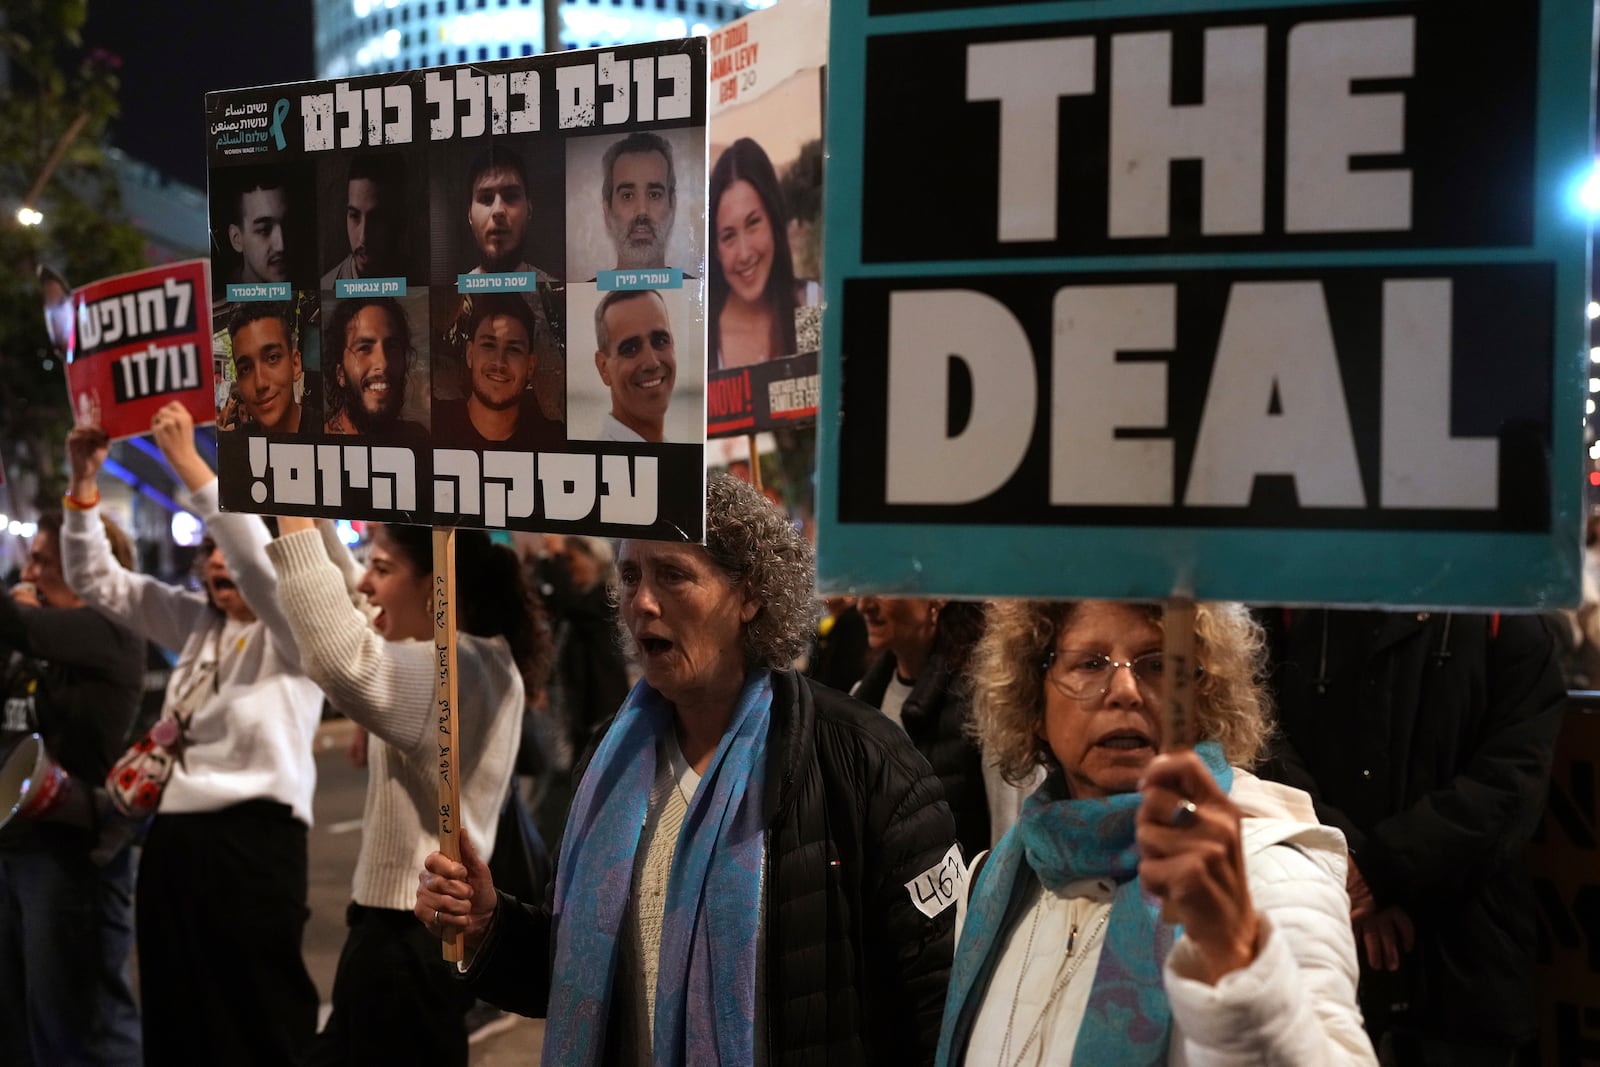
{"x": 1231, "y": 707}
{"x": 758, "y": 549}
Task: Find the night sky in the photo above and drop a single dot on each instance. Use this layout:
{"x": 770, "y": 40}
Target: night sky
{"x": 170, "y": 61}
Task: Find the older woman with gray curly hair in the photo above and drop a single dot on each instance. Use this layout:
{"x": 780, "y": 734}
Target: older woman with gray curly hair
{"x": 754, "y": 870}
{"x": 1070, "y": 951}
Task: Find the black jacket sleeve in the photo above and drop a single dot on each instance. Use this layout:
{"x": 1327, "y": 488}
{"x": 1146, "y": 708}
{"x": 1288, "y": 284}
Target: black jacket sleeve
{"x": 93, "y": 680}
{"x": 1460, "y": 834}
{"x": 512, "y": 967}
{"x": 912, "y": 951}
{"x": 71, "y": 637}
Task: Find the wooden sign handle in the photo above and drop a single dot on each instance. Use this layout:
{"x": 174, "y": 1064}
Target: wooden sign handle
{"x": 1178, "y": 675}
{"x": 444, "y": 705}
{"x": 755, "y": 464}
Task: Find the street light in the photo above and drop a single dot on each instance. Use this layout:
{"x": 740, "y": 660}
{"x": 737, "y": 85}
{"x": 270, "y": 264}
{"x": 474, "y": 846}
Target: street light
{"x": 28, "y": 216}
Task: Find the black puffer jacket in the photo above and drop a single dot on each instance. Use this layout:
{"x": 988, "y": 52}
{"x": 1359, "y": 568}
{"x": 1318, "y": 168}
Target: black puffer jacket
{"x": 75, "y": 677}
{"x": 855, "y": 972}
{"x": 1427, "y": 738}
{"x": 935, "y": 716}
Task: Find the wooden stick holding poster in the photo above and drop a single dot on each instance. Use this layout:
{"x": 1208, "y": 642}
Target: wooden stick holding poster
{"x": 444, "y": 646}
{"x": 1177, "y": 674}
{"x": 755, "y": 464}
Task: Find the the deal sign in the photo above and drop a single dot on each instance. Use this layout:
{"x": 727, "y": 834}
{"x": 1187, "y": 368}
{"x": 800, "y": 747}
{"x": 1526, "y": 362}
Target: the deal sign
{"x": 1298, "y": 267}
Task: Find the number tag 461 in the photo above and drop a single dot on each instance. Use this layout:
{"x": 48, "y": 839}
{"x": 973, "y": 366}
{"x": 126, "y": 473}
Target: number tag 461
{"x": 941, "y": 885}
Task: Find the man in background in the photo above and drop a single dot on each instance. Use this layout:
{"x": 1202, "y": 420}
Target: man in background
{"x": 1427, "y": 738}
{"x": 66, "y": 924}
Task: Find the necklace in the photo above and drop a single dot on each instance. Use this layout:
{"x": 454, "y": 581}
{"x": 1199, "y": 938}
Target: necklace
{"x": 1070, "y": 964}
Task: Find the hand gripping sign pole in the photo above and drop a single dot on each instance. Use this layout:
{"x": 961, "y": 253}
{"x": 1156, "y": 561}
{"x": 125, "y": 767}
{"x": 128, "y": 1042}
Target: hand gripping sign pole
{"x": 1178, "y": 674}
{"x": 444, "y": 705}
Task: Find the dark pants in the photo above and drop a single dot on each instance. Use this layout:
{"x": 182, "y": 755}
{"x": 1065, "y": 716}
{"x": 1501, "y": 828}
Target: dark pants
{"x": 222, "y": 906}
{"x": 1398, "y": 1048}
{"x": 50, "y": 957}
{"x": 119, "y": 1012}
{"x": 394, "y": 998}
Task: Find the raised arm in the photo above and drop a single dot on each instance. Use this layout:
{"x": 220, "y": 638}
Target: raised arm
{"x": 349, "y": 566}
{"x": 242, "y": 537}
{"x": 1296, "y": 1001}
{"x": 67, "y": 636}
{"x": 150, "y": 608}
{"x": 386, "y": 686}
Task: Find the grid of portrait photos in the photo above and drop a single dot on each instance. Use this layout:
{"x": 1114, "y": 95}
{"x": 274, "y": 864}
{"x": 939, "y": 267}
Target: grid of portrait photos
{"x": 469, "y": 295}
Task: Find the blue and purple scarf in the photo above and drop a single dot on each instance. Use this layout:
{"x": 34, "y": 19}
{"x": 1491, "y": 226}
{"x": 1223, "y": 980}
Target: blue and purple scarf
{"x": 1057, "y": 841}
{"x": 706, "y": 987}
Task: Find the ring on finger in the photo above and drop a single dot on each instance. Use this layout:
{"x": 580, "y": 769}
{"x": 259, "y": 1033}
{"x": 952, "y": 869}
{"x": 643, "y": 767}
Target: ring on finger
{"x": 1183, "y": 814}
{"x": 436, "y": 916}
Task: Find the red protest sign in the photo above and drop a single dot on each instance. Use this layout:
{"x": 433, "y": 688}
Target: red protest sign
{"x": 139, "y": 341}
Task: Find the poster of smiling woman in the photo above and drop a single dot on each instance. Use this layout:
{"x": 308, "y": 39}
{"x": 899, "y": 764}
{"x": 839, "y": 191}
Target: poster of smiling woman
{"x": 763, "y": 213}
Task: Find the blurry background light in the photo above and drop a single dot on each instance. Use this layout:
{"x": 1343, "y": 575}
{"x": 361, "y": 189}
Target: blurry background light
{"x": 1589, "y": 190}
{"x": 186, "y": 529}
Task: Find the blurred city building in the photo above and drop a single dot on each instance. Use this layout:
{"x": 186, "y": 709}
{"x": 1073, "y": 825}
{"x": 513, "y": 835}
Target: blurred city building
{"x": 356, "y": 37}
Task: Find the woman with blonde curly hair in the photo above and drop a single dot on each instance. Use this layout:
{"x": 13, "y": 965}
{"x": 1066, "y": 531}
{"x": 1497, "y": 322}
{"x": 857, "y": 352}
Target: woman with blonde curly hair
{"x": 1147, "y": 908}
{"x": 751, "y": 867}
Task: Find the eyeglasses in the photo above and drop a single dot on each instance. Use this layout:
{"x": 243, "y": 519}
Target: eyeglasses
{"x": 1084, "y": 675}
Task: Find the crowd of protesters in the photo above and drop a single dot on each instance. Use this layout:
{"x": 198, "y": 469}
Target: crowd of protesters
{"x": 892, "y": 831}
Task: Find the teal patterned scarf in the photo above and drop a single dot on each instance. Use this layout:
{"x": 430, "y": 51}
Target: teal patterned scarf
{"x": 1057, "y": 841}
{"x": 705, "y": 989}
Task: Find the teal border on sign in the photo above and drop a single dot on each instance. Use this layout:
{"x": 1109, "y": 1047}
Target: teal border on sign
{"x": 1289, "y": 566}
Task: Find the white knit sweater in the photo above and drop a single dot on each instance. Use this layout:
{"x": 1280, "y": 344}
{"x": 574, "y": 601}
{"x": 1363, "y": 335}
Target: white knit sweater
{"x": 387, "y": 686}
{"x": 251, "y": 738}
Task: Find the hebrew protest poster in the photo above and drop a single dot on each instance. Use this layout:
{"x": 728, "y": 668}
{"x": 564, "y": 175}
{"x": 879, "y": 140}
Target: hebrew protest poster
{"x": 467, "y": 296}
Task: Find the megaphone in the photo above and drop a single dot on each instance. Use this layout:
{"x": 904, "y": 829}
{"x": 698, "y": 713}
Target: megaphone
{"x": 32, "y": 783}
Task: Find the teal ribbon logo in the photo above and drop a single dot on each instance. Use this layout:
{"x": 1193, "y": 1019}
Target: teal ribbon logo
{"x": 280, "y": 111}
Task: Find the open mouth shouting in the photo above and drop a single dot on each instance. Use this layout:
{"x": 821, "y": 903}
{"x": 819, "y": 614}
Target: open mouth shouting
{"x": 654, "y": 646}
{"x": 1130, "y": 741}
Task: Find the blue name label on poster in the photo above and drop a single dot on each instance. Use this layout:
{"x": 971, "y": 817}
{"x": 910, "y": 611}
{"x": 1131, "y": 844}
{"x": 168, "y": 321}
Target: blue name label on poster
{"x": 345, "y": 287}
{"x": 662, "y": 278}
{"x": 521, "y": 281}
{"x": 245, "y": 291}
